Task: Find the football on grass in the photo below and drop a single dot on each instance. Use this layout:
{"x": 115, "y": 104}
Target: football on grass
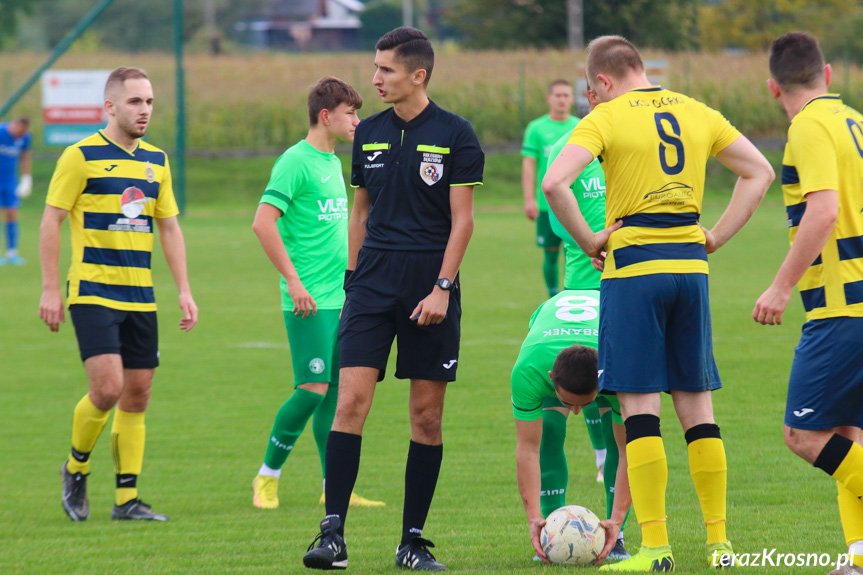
{"x": 572, "y": 536}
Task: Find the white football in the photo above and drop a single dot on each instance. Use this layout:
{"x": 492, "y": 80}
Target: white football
{"x": 572, "y": 536}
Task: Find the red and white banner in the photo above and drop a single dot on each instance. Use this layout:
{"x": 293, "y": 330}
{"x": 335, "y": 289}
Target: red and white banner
{"x": 72, "y": 105}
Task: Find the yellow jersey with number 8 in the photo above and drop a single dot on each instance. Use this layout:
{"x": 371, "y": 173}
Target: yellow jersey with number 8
{"x": 654, "y": 145}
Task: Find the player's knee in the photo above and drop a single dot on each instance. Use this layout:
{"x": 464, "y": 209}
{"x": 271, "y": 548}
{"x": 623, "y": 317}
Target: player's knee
{"x": 799, "y": 442}
{"x": 426, "y": 426}
{"x": 106, "y": 396}
{"x": 350, "y": 415}
{"x": 135, "y": 400}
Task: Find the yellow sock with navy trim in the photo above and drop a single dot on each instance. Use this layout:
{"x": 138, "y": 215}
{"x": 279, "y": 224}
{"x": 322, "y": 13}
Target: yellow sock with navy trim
{"x": 127, "y": 446}
{"x": 648, "y": 477}
{"x": 850, "y": 471}
{"x": 709, "y": 471}
{"x": 851, "y": 515}
{"x": 88, "y": 422}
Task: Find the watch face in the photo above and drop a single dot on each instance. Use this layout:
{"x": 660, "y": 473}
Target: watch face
{"x": 444, "y": 283}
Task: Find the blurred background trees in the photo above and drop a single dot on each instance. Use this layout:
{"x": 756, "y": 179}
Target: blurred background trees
{"x": 711, "y": 25}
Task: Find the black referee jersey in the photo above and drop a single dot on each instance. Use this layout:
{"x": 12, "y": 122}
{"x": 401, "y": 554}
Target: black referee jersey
{"x": 408, "y": 169}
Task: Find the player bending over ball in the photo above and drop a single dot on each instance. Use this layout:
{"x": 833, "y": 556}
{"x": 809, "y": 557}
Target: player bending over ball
{"x": 550, "y": 378}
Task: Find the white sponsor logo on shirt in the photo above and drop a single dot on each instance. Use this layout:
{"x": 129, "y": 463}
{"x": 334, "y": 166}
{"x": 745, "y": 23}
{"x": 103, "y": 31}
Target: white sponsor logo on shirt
{"x": 333, "y": 209}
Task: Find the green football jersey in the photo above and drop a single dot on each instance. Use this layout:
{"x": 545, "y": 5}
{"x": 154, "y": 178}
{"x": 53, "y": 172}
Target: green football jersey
{"x": 589, "y": 191}
{"x": 308, "y": 187}
{"x": 539, "y": 137}
{"x": 570, "y": 317}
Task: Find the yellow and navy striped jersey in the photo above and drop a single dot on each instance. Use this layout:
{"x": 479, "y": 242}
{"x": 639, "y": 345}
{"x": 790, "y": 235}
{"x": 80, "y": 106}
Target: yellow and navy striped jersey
{"x": 825, "y": 152}
{"x": 654, "y": 145}
{"x": 112, "y": 196}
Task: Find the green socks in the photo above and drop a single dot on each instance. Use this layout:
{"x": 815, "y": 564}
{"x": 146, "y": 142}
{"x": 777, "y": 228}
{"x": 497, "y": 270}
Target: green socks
{"x": 551, "y": 271}
{"x": 290, "y": 422}
{"x": 594, "y": 427}
{"x": 323, "y": 423}
{"x": 552, "y": 462}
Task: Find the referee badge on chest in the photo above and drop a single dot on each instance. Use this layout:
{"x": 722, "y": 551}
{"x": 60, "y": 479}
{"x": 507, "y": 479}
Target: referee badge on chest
{"x": 431, "y": 168}
{"x": 149, "y": 173}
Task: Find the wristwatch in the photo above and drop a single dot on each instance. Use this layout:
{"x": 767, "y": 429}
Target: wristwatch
{"x": 444, "y": 284}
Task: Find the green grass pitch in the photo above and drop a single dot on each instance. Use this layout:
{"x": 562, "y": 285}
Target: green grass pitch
{"x": 219, "y": 387}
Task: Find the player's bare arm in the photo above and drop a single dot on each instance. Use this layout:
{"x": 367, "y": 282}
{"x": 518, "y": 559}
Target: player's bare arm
{"x": 357, "y": 225}
{"x": 622, "y": 496}
{"x": 569, "y": 164}
{"x": 51, "y": 303}
{"x": 265, "y": 228}
{"x": 174, "y": 247}
{"x": 816, "y": 225}
{"x": 529, "y": 437}
{"x": 528, "y": 183}
{"x": 432, "y": 309}
{"x": 755, "y": 176}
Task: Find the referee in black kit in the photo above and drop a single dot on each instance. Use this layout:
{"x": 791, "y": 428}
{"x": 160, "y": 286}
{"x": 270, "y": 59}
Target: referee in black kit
{"x": 414, "y": 169}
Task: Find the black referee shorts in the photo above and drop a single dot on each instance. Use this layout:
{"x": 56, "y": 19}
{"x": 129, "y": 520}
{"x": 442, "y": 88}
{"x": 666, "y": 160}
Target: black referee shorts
{"x": 134, "y": 335}
{"x": 380, "y": 296}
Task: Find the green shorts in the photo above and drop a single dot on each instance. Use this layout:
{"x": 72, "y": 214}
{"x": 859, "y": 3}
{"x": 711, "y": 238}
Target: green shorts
{"x": 545, "y": 237}
{"x": 600, "y": 401}
{"x": 314, "y": 346}
{"x": 611, "y": 401}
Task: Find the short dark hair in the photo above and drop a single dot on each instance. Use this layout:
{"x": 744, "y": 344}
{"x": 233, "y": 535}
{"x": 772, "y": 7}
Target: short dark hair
{"x": 328, "y": 93}
{"x": 612, "y": 55}
{"x": 575, "y": 370}
{"x": 412, "y": 47}
{"x": 558, "y": 82}
{"x": 118, "y": 76}
{"x": 796, "y": 61}
{"x": 23, "y": 120}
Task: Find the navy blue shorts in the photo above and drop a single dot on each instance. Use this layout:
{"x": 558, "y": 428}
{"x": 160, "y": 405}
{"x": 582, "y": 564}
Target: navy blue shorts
{"x": 379, "y": 298}
{"x": 655, "y": 334}
{"x": 825, "y": 389}
{"x": 133, "y": 335}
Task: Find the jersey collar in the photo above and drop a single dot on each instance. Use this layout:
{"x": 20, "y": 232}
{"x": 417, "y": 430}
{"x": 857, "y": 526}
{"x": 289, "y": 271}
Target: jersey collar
{"x": 822, "y": 97}
{"x": 423, "y": 116}
{"x": 110, "y": 141}
{"x": 656, "y": 88}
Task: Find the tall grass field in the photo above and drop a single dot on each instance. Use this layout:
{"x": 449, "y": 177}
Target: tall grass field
{"x": 218, "y": 388}
{"x": 258, "y": 101}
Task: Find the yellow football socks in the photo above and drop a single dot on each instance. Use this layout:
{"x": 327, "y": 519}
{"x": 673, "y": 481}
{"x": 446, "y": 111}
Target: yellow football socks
{"x": 851, "y": 514}
{"x": 87, "y": 424}
{"x": 709, "y": 474}
{"x": 850, "y": 471}
{"x": 648, "y": 477}
{"x": 127, "y": 446}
